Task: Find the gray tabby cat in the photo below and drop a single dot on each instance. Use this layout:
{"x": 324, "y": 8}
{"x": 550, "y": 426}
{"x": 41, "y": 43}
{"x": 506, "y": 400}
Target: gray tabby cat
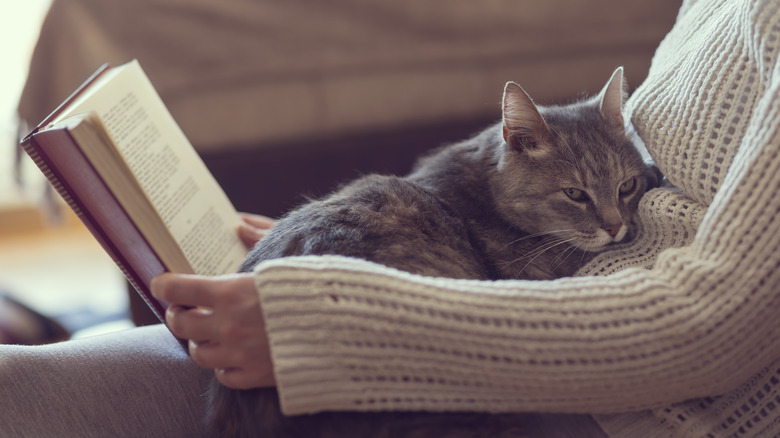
{"x": 529, "y": 197}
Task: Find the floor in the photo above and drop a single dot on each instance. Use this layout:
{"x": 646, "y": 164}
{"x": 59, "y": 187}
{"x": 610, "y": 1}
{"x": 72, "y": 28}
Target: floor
{"x": 56, "y": 268}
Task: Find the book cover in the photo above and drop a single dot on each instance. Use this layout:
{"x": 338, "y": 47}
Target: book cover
{"x": 66, "y": 167}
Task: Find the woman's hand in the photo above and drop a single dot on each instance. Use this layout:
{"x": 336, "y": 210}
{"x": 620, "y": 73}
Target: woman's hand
{"x": 221, "y": 318}
{"x": 254, "y": 228}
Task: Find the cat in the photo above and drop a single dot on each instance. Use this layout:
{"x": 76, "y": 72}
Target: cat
{"x": 531, "y": 197}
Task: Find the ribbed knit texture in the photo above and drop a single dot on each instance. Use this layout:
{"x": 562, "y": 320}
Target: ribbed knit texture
{"x": 686, "y": 310}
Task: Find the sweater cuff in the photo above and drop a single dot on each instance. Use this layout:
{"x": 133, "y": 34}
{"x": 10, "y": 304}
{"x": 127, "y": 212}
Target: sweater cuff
{"x": 298, "y": 309}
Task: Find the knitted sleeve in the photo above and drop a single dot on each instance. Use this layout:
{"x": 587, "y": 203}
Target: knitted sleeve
{"x": 699, "y": 320}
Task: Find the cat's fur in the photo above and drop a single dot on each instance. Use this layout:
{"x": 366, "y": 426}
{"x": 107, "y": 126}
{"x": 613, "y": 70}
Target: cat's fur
{"x": 527, "y": 198}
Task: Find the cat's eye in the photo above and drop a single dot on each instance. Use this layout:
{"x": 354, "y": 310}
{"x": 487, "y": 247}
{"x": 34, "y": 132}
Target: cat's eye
{"x": 576, "y": 194}
{"x": 627, "y": 187}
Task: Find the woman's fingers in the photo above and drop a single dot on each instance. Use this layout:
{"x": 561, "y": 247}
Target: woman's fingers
{"x": 250, "y": 235}
{"x": 238, "y": 369}
{"x": 237, "y": 378}
{"x": 211, "y": 354}
{"x": 183, "y": 290}
{"x": 250, "y": 369}
{"x": 253, "y": 228}
{"x": 223, "y": 321}
{"x": 257, "y": 221}
{"x": 196, "y": 323}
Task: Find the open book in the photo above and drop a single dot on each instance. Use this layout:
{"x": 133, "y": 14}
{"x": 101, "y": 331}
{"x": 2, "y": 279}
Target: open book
{"x": 118, "y": 158}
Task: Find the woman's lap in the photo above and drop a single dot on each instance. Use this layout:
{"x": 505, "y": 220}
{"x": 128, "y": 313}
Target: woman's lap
{"x": 138, "y": 382}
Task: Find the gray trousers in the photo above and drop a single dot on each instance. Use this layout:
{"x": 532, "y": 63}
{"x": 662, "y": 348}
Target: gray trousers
{"x": 137, "y": 383}
{"x": 134, "y": 383}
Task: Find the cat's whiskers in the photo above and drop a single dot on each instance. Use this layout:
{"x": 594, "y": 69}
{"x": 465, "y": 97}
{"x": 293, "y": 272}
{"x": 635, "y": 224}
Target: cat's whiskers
{"x": 520, "y": 239}
{"x": 556, "y": 241}
{"x": 553, "y": 233}
{"x": 550, "y": 240}
{"x": 547, "y": 242}
{"x": 543, "y": 248}
{"x": 582, "y": 258}
{"x": 564, "y": 255}
{"x": 542, "y": 251}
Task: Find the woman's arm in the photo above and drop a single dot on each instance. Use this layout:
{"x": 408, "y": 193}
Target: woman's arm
{"x": 351, "y": 335}
{"x": 346, "y": 334}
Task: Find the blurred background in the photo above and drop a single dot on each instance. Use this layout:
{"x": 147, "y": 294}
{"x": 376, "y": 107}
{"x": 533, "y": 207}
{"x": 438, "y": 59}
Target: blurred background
{"x": 284, "y": 99}
{"x": 48, "y": 261}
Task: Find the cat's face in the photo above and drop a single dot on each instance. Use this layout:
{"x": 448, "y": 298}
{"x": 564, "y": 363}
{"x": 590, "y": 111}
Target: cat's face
{"x": 570, "y": 171}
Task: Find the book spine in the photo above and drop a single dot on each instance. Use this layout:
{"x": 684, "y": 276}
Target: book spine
{"x": 53, "y": 180}
{"x": 58, "y": 157}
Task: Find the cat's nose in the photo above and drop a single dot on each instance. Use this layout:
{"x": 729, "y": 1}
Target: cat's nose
{"x": 613, "y": 230}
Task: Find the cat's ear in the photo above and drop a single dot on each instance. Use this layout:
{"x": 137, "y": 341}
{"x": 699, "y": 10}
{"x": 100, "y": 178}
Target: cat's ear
{"x": 612, "y": 97}
{"x": 524, "y": 127}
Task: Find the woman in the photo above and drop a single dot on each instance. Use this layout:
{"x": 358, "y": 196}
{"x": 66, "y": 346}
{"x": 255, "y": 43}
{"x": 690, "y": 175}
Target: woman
{"x": 684, "y": 312}
{"x": 669, "y": 324}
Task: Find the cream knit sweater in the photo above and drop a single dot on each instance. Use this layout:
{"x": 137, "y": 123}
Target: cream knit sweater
{"x": 686, "y": 310}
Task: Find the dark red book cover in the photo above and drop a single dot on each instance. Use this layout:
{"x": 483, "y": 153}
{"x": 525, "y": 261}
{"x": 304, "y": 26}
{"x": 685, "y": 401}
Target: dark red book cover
{"x": 67, "y": 168}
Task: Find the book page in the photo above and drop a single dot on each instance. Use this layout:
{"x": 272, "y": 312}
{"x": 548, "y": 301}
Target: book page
{"x": 199, "y": 216}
